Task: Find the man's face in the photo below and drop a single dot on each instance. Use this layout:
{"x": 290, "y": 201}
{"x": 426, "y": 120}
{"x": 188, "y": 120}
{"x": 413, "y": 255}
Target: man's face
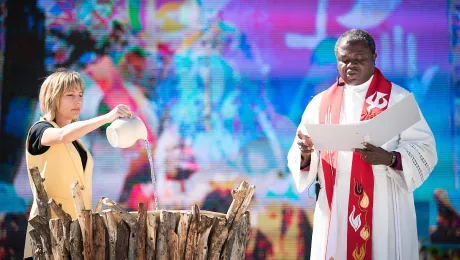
{"x": 355, "y": 62}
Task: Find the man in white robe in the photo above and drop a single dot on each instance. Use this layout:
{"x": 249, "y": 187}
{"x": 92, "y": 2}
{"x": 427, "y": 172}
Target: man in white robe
{"x": 399, "y": 166}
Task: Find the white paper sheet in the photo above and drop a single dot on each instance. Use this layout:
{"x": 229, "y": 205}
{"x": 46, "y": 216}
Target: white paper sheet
{"x": 376, "y": 131}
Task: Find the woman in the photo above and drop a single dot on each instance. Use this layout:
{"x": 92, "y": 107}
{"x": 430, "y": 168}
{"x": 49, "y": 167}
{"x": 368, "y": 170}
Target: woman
{"x": 53, "y": 146}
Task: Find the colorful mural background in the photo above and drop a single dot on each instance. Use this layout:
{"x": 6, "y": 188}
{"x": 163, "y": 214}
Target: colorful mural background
{"x": 221, "y": 86}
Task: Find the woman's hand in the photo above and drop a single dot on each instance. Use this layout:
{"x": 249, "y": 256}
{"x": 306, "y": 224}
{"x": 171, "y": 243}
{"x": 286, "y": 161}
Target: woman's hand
{"x": 119, "y": 111}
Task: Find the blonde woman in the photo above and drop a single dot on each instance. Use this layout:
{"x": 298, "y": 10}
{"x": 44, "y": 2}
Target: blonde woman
{"x": 53, "y": 146}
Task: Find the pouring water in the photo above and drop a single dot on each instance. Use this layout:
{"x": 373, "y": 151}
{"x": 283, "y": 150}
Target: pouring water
{"x": 123, "y": 133}
{"x": 152, "y": 173}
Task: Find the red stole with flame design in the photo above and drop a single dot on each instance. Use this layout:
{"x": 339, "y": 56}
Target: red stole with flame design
{"x": 361, "y": 198}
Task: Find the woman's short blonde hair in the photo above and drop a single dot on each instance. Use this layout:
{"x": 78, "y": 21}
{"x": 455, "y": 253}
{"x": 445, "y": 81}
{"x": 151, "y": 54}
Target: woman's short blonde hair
{"x": 54, "y": 86}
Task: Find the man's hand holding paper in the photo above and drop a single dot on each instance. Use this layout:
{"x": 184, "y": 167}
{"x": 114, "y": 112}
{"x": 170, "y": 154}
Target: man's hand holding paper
{"x": 306, "y": 148}
{"x": 377, "y": 131}
{"x": 375, "y": 155}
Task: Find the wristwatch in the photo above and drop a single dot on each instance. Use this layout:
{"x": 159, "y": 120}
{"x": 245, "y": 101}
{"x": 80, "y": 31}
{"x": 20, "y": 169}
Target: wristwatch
{"x": 393, "y": 159}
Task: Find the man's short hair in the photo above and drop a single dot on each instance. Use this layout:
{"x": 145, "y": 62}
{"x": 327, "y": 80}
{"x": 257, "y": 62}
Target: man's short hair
{"x": 356, "y": 35}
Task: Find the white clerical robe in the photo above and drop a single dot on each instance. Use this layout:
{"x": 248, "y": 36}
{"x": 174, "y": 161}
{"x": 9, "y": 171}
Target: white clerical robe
{"x": 394, "y": 222}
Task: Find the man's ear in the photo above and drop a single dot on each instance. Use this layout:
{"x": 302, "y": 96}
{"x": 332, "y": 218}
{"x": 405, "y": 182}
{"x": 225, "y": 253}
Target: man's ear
{"x": 374, "y": 57}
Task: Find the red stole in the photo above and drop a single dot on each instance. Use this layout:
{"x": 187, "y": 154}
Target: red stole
{"x": 361, "y": 198}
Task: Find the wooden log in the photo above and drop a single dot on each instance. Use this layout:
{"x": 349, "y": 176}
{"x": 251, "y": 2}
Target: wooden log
{"x": 233, "y": 192}
{"x": 238, "y": 222}
{"x": 38, "y": 252}
{"x": 245, "y": 203}
{"x": 85, "y": 220}
{"x": 167, "y": 222}
{"x": 132, "y": 223}
{"x": 137, "y": 236}
{"x": 122, "y": 240}
{"x": 204, "y": 229}
{"x": 235, "y": 246}
{"x": 60, "y": 213}
{"x": 152, "y": 226}
{"x": 243, "y": 236}
{"x": 141, "y": 231}
{"x": 44, "y": 212}
{"x": 192, "y": 236}
{"x": 42, "y": 196}
{"x": 86, "y": 224}
{"x": 41, "y": 225}
{"x": 218, "y": 235}
{"x": 238, "y": 199}
{"x": 117, "y": 209}
{"x": 99, "y": 204}
{"x": 229, "y": 243}
{"x": 132, "y": 253}
{"x": 76, "y": 241}
{"x": 60, "y": 252}
{"x": 173, "y": 245}
{"x": 111, "y": 226}
{"x": 99, "y": 235}
{"x": 182, "y": 231}
{"x": 66, "y": 220}
{"x": 66, "y": 231}
{"x": 77, "y": 198}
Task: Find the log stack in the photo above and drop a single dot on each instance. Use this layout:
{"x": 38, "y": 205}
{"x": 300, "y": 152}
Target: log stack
{"x": 114, "y": 233}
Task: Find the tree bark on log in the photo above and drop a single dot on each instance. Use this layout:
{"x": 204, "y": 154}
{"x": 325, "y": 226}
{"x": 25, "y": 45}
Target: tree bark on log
{"x": 66, "y": 230}
{"x": 245, "y": 204}
{"x": 192, "y": 236}
{"x": 111, "y": 226}
{"x": 41, "y": 225}
{"x": 182, "y": 231}
{"x": 85, "y": 219}
{"x": 204, "y": 229}
{"x": 122, "y": 240}
{"x": 228, "y": 246}
{"x": 235, "y": 245}
{"x": 76, "y": 241}
{"x": 173, "y": 245}
{"x": 218, "y": 235}
{"x": 99, "y": 235}
{"x": 60, "y": 213}
{"x": 42, "y": 196}
{"x": 86, "y": 224}
{"x": 152, "y": 226}
{"x": 167, "y": 222}
{"x": 133, "y": 236}
{"x": 132, "y": 223}
{"x": 60, "y": 252}
{"x": 77, "y": 198}
{"x": 99, "y": 204}
{"x": 66, "y": 220}
{"x": 195, "y": 235}
{"x": 37, "y": 246}
{"x": 238, "y": 198}
{"x": 117, "y": 209}
{"x": 141, "y": 231}
{"x": 243, "y": 235}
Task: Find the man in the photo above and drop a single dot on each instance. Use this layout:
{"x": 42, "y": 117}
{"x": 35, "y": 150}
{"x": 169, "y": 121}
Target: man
{"x": 365, "y": 207}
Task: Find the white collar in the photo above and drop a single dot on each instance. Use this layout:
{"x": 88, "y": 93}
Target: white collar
{"x": 361, "y": 87}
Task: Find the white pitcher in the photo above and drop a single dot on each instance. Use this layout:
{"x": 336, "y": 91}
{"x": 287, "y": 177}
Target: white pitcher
{"x": 124, "y": 132}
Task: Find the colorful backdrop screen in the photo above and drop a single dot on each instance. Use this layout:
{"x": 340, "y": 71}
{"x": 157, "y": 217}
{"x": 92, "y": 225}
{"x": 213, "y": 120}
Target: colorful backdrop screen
{"x": 222, "y": 85}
